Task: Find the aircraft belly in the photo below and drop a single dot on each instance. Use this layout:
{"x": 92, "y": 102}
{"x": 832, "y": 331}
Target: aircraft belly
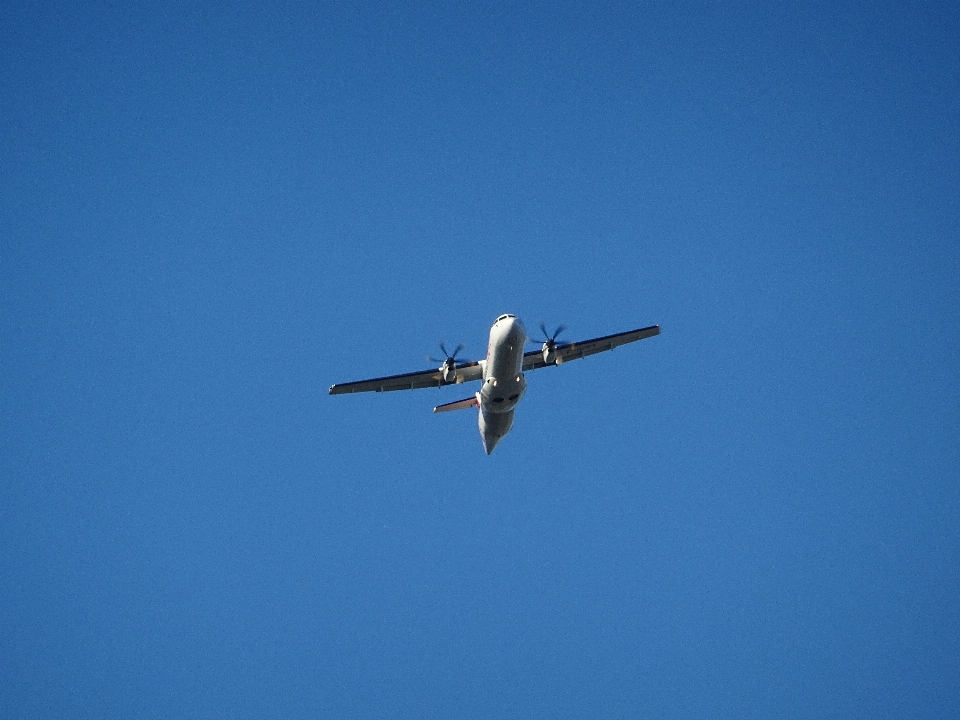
{"x": 503, "y": 380}
{"x": 493, "y": 427}
{"x": 504, "y": 383}
{"x": 507, "y": 360}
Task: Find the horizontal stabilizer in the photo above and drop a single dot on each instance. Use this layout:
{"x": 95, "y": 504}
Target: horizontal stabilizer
{"x": 457, "y": 405}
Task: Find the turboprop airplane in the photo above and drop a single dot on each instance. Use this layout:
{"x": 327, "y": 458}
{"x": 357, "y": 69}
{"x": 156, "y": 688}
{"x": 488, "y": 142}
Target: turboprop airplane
{"x": 501, "y": 373}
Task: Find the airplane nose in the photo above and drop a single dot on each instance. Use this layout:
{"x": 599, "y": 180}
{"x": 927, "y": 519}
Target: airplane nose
{"x": 515, "y": 330}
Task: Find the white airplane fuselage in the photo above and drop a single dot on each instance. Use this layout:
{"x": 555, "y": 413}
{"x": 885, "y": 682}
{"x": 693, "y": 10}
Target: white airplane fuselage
{"x": 503, "y": 380}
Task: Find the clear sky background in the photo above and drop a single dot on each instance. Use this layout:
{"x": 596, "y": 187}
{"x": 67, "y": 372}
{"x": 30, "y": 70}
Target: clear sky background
{"x": 210, "y": 213}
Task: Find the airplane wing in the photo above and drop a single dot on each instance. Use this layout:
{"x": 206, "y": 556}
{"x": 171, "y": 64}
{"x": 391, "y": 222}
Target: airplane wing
{"x": 573, "y": 351}
{"x": 410, "y": 381}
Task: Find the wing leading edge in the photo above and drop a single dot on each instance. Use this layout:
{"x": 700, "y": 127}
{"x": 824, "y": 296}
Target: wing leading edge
{"x": 410, "y": 381}
{"x": 574, "y": 351}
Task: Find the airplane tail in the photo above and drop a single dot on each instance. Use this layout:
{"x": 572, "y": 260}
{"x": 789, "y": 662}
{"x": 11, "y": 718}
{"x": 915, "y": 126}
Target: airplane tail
{"x": 469, "y": 402}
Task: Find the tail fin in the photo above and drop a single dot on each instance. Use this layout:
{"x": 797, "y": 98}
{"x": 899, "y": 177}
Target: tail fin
{"x": 458, "y": 405}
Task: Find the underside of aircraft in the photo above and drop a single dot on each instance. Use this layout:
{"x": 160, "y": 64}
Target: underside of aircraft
{"x": 501, "y": 373}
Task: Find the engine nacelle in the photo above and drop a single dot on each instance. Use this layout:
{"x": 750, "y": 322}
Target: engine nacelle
{"x": 549, "y": 352}
{"x": 449, "y": 371}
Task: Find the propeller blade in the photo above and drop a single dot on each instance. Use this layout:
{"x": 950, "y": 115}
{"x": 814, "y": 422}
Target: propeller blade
{"x": 458, "y": 361}
{"x": 547, "y": 337}
{"x": 448, "y": 356}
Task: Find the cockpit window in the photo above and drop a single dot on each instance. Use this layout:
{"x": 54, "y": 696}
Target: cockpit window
{"x": 504, "y": 317}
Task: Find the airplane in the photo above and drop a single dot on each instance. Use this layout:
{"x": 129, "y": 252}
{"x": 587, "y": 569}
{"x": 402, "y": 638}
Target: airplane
{"x": 501, "y": 373}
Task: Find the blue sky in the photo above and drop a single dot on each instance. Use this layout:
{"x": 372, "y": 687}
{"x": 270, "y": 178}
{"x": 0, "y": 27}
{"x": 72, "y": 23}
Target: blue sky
{"x": 210, "y": 214}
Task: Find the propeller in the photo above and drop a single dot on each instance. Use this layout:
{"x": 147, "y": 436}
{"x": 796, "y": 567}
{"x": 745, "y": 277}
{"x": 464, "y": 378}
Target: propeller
{"x": 450, "y": 358}
{"x": 551, "y": 340}
{"x": 550, "y": 343}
